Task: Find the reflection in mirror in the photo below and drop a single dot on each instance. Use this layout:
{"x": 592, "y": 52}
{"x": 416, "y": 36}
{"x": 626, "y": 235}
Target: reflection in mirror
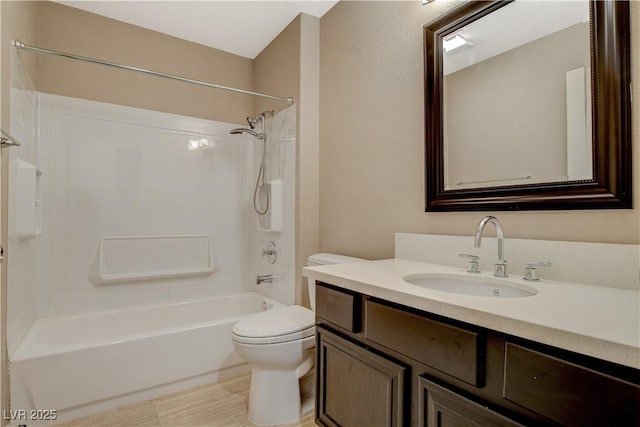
{"x": 528, "y": 106}
{"x": 517, "y": 97}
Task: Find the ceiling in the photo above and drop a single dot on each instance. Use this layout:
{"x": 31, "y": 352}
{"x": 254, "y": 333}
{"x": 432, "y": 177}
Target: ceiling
{"x": 241, "y": 27}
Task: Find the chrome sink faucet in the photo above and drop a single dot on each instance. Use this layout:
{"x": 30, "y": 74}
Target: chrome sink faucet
{"x": 500, "y": 268}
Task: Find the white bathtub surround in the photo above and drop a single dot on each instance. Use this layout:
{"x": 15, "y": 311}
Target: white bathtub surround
{"x": 85, "y": 363}
{"x": 600, "y": 264}
{"x": 110, "y": 171}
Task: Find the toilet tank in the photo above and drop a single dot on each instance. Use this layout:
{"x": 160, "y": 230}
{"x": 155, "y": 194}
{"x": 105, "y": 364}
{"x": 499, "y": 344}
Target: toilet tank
{"x": 325, "y": 259}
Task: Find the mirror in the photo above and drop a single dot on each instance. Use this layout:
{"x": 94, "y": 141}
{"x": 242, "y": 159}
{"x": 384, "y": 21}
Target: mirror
{"x": 528, "y": 106}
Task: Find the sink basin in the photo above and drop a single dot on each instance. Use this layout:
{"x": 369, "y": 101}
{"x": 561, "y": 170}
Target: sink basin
{"x": 470, "y": 285}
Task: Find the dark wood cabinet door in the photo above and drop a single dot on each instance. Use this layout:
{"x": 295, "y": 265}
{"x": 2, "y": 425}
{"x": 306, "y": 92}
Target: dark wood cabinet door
{"x": 357, "y": 388}
{"x": 440, "y": 407}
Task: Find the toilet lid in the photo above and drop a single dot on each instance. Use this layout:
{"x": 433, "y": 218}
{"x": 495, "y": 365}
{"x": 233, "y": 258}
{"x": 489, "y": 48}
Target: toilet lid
{"x": 275, "y": 322}
{"x": 302, "y": 336}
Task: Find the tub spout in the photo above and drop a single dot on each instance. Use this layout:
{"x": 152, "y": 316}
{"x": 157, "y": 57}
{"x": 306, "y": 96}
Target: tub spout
{"x": 264, "y": 278}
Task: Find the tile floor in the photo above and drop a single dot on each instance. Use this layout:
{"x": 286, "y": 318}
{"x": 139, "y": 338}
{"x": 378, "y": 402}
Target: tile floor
{"x": 223, "y": 404}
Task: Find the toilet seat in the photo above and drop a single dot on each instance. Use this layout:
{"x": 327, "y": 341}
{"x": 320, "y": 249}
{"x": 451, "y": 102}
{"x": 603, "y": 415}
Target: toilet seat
{"x": 276, "y": 325}
{"x": 295, "y": 336}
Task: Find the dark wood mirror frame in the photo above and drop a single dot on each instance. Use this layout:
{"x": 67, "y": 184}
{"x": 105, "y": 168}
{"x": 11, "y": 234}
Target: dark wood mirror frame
{"x": 611, "y": 102}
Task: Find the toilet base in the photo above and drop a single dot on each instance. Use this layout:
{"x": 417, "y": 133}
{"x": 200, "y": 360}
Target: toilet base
{"x": 274, "y": 397}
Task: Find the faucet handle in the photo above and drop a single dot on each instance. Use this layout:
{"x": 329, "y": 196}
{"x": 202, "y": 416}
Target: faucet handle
{"x": 530, "y": 272}
{"x": 269, "y": 252}
{"x": 474, "y": 266}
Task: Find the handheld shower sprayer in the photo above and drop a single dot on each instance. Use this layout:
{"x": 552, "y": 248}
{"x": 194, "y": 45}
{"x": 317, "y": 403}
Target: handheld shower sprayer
{"x": 238, "y": 131}
{"x": 262, "y": 136}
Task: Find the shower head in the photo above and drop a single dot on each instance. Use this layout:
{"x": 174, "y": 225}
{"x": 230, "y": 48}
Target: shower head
{"x": 238, "y": 131}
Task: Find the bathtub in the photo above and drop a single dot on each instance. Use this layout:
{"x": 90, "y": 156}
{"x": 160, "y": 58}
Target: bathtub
{"x": 81, "y": 364}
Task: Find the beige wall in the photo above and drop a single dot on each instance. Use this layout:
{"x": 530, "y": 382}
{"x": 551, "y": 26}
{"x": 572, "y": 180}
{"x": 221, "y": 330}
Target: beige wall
{"x": 372, "y": 140}
{"x": 86, "y": 34}
{"x": 277, "y": 70}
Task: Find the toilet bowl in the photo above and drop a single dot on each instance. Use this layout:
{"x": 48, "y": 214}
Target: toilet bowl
{"x": 279, "y": 344}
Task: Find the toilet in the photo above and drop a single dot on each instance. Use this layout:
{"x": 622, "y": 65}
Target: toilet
{"x": 279, "y": 344}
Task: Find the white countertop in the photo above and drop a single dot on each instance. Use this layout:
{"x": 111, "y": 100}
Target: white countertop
{"x": 598, "y": 321}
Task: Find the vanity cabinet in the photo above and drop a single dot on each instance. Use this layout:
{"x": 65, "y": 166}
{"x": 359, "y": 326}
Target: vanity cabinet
{"x": 383, "y": 364}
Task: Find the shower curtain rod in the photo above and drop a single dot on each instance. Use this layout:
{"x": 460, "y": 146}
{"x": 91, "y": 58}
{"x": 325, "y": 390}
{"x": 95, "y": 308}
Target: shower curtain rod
{"x": 21, "y": 46}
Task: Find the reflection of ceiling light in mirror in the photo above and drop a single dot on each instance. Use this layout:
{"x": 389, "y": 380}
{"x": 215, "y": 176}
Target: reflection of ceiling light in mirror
{"x": 454, "y": 42}
{"x": 427, "y": 1}
{"x": 202, "y": 143}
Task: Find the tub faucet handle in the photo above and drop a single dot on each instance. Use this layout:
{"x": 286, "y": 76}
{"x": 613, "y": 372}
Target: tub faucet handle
{"x": 269, "y": 252}
{"x": 474, "y": 266}
{"x": 530, "y": 272}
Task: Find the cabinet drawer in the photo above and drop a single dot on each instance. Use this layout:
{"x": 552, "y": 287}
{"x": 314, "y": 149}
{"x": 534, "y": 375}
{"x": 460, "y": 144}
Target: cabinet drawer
{"x": 440, "y": 407}
{"x": 450, "y": 349}
{"x": 339, "y": 307}
{"x": 568, "y": 393}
